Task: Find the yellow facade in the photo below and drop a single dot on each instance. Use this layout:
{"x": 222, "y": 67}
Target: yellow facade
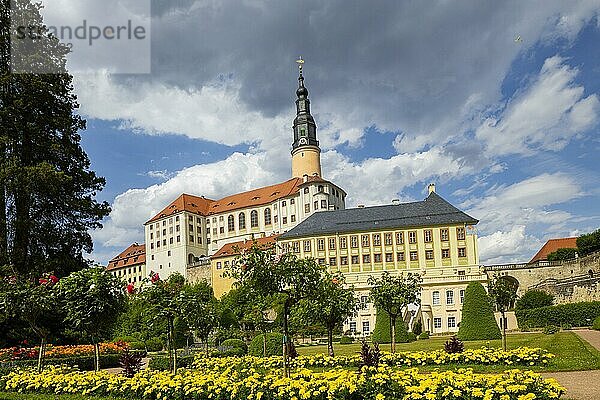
{"x": 221, "y": 284}
{"x": 306, "y": 160}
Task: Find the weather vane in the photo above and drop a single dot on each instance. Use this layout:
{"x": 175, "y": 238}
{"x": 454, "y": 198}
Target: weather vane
{"x": 300, "y": 61}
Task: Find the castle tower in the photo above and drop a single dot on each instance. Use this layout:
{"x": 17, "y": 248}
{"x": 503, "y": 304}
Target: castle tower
{"x": 306, "y": 154}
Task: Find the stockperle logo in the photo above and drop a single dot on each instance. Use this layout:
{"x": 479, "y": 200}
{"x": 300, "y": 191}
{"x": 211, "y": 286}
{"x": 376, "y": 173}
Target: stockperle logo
{"x": 96, "y": 35}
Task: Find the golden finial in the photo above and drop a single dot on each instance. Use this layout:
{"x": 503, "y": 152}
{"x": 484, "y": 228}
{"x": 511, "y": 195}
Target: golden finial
{"x": 300, "y": 61}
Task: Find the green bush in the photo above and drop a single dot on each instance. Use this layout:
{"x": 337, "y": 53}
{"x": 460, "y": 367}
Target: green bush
{"x": 551, "y": 329}
{"x": 85, "y": 363}
{"x": 534, "y": 298}
{"x": 163, "y": 363}
{"x": 596, "y": 324}
{"x": 154, "y": 344}
{"x": 588, "y": 243}
{"x": 346, "y": 340}
{"x": 235, "y": 344}
{"x": 478, "y": 322}
{"x": 417, "y": 327}
{"x": 381, "y": 333}
{"x": 574, "y": 314}
{"x": 562, "y": 254}
{"x": 423, "y": 335}
{"x": 137, "y": 346}
{"x": 274, "y": 345}
{"x": 412, "y": 337}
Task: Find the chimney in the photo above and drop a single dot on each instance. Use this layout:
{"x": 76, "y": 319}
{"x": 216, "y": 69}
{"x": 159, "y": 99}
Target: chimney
{"x": 361, "y": 206}
{"x": 395, "y": 201}
{"x": 305, "y": 176}
{"x": 315, "y": 174}
{"x": 431, "y": 188}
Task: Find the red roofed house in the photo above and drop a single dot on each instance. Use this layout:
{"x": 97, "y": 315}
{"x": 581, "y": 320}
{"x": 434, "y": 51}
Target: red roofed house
{"x": 130, "y": 264}
{"x": 552, "y": 245}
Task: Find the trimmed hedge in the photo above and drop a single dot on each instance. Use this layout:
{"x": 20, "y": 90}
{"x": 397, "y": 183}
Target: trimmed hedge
{"x": 162, "y": 363}
{"x": 596, "y": 324}
{"x": 346, "y": 340}
{"x": 478, "y": 322}
{"x": 85, "y": 363}
{"x": 382, "y": 335}
{"x": 574, "y": 314}
{"x": 274, "y": 345}
{"x": 534, "y": 298}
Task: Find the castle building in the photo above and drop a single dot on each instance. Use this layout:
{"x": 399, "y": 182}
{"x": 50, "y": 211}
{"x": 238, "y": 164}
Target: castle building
{"x": 130, "y": 264}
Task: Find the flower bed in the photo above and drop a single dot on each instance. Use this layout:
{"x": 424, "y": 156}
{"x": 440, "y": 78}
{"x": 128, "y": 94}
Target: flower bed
{"x": 28, "y": 353}
{"x": 373, "y": 383}
{"x": 483, "y": 356}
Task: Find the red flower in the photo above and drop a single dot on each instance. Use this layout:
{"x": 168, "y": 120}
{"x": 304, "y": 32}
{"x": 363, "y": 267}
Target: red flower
{"x": 155, "y": 278}
{"x": 335, "y": 281}
{"x": 53, "y": 279}
{"x": 43, "y": 281}
{"x": 131, "y": 288}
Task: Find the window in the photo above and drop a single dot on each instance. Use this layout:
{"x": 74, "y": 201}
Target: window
{"x": 191, "y": 238}
{"x": 428, "y": 236}
{"x": 306, "y": 190}
{"x": 344, "y": 260}
{"x": 324, "y": 204}
{"x": 199, "y": 239}
{"x": 214, "y": 231}
{"x": 353, "y": 326}
{"x": 366, "y": 328}
{"x": 230, "y": 224}
{"x": 178, "y": 238}
{"x": 332, "y": 261}
{"x": 451, "y": 322}
{"x": 296, "y": 247}
{"x": 283, "y": 220}
{"x": 190, "y": 227}
{"x": 437, "y": 323}
{"x": 283, "y": 203}
{"x": 444, "y": 234}
{"x": 221, "y": 218}
{"x": 462, "y": 252}
{"x": 306, "y": 208}
{"x": 414, "y": 256}
{"x": 292, "y": 201}
{"x": 219, "y": 265}
{"x": 343, "y": 242}
{"x": 377, "y": 257}
{"x": 320, "y": 188}
{"x": 267, "y": 216}
{"x": 321, "y": 261}
{"x": 377, "y": 239}
{"x": 400, "y": 256}
{"x": 316, "y": 205}
{"x": 292, "y": 218}
{"x": 389, "y": 257}
{"x": 331, "y": 243}
{"x": 460, "y": 233}
{"x": 254, "y": 219}
{"x": 366, "y": 258}
{"x": 242, "y": 220}
{"x": 461, "y": 295}
{"x": 221, "y": 230}
{"x": 158, "y": 244}
{"x": 388, "y": 239}
{"x": 399, "y": 237}
{"x": 275, "y": 218}
{"x": 429, "y": 254}
{"x": 151, "y": 227}
{"x": 151, "y": 246}
{"x": 190, "y": 218}
{"x": 177, "y": 228}
{"x": 364, "y": 240}
{"x": 435, "y": 298}
{"x": 307, "y": 246}
{"x": 165, "y": 231}
{"x": 449, "y": 296}
{"x": 445, "y": 253}
{"x": 171, "y": 230}
{"x": 171, "y": 240}
{"x": 320, "y": 244}
{"x": 354, "y": 259}
{"x": 198, "y": 220}
{"x": 151, "y": 235}
{"x": 412, "y": 237}
{"x": 354, "y": 241}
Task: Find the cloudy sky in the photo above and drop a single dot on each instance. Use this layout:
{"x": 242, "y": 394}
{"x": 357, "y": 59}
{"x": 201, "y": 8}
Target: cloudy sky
{"x": 497, "y": 102}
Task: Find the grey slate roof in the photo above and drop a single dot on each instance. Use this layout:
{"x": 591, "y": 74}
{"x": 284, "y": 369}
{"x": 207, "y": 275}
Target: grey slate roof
{"x": 434, "y": 210}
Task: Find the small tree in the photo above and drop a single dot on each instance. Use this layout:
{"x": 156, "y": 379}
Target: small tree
{"x": 331, "y": 306}
{"x": 503, "y": 294}
{"x": 534, "y": 298}
{"x": 198, "y": 308}
{"x": 477, "y": 322}
{"x": 92, "y": 300}
{"x": 588, "y": 243}
{"x": 287, "y": 277}
{"x": 393, "y": 294}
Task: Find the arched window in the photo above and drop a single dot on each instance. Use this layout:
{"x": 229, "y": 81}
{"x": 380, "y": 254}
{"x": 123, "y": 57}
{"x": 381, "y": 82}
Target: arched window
{"x": 242, "y": 220}
{"x": 267, "y": 216}
{"x": 230, "y": 224}
{"x": 254, "y": 219}
{"x": 191, "y": 258}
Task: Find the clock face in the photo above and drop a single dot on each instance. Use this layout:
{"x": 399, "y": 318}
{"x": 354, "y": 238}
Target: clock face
{"x": 303, "y": 141}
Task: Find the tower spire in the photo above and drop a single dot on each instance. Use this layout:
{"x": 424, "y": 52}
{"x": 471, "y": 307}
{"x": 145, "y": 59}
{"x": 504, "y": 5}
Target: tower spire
{"x": 306, "y": 154}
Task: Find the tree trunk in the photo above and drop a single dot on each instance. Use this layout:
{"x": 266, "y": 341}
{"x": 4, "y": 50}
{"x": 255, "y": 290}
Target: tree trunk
{"x": 265, "y": 344}
{"x": 286, "y": 310}
{"x": 41, "y": 355}
{"x": 393, "y": 333}
{"x": 330, "y": 341}
{"x": 503, "y": 321}
{"x": 173, "y": 348}
{"x": 96, "y": 356}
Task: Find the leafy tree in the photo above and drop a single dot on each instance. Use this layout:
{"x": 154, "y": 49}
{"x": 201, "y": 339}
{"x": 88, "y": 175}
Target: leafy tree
{"x": 588, "y": 243}
{"x": 198, "y": 308}
{"x": 136, "y": 322}
{"x": 562, "y": 254}
{"x": 477, "y": 322}
{"x": 393, "y": 294}
{"x": 503, "y": 293}
{"x": 534, "y": 298}
{"x": 287, "y": 277}
{"x": 47, "y": 190}
{"x": 92, "y": 300}
{"x": 331, "y": 306}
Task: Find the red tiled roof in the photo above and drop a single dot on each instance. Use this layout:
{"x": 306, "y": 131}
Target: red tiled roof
{"x": 133, "y": 255}
{"x": 255, "y": 197}
{"x": 552, "y": 245}
{"x": 232, "y": 249}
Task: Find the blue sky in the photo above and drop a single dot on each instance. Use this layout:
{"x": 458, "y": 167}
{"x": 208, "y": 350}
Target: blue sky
{"x": 403, "y": 94}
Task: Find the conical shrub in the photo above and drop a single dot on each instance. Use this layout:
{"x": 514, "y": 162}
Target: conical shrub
{"x": 478, "y": 322}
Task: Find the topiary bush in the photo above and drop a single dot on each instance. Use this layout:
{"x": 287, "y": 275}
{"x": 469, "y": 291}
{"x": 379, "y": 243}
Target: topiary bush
{"x": 346, "y": 340}
{"x": 382, "y": 335}
{"x": 534, "y": 298}
{"x": 231, "y": 344}
{"x": 417, "y": 327}
{"x": 274, "y": 344}
{"x": 574, "y": 314}
{"x": 423, "y": 335}
{"x": 137, "y": 345}
{"x": 596, "y": 324}
{"x": 478, "y": 321}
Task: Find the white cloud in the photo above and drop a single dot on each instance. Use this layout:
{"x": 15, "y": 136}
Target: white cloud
{"x": 511, "y": 246}
{"x": 544, "y": 116}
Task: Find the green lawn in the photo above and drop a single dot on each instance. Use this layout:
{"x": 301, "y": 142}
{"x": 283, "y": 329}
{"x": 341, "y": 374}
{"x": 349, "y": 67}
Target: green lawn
{"x": 572, "y": 353}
